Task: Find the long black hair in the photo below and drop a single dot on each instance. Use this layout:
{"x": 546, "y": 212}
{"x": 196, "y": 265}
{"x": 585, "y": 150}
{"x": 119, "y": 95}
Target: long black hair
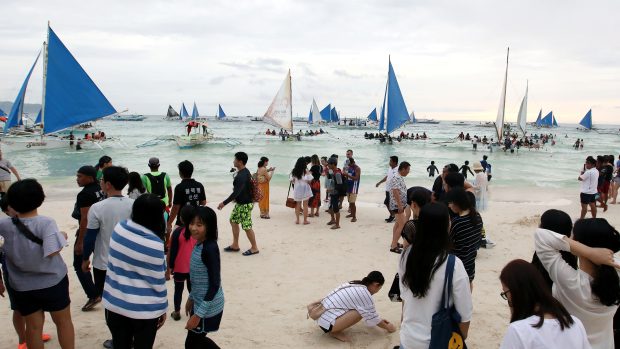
{"x": 459, "y": 197}
{"x": 102, "y": 161}
{"x": 597, "y": 232}
{"x": 135, "y": 182}
{"x": 187, "y": 214}
{"x": 429, "y": 248}
{"x": 148, "y": 211}
{"x": 208, "y": 217}
{"x": 373, "y": 276}
{"x": 300, "y": 168}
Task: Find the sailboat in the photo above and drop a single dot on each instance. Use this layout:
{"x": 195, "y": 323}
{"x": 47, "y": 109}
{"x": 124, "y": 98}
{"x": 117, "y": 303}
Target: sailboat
{"x": 315, "y": 115}
{"x": 586, "y": 122}
{"x": 538, "y": 121}
{"x": 280, "y": 112}
{"x": 70, "y": 97}
{"x": 373, "y": 115}
{"x": 394, "y": 112}
{"x": 172, "y": 114}
{"x": 499, "y": 121}
{"x": 15, "y": 120}
{"x": 184, "y": 113}
{"x": 326, "y": 113}
{"x": 547, "y": 121}
{"x": 522, "y": 118}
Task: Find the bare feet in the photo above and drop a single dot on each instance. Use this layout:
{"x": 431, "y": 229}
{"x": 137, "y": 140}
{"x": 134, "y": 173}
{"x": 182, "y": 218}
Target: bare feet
{"x": 340, "y": 336}
{"x": 306, "y": 222}
{"x": 331, "y": 222}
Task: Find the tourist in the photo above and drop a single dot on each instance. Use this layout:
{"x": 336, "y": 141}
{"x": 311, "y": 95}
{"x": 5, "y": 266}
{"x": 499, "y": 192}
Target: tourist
{"x": 135, "y": 295}
{"x": 537, "y": 320}
{"x": 178, "y": 258}
{"x": 158, "y": 183}
{"x": 104, "y": 161}
{"x": 465, "y": 229}
{"x": 5, "y": 174}
{"x": 615, "y": 185}
{"x": 465, "y": 168}
{"x": 315, "y": 201}
{"x": 417, "y": 197}
{"x": 392, "y": 170}
{"x": 481, "y": 187}
{"x": 242, "y": 212}
{"x": 352, "y": 175}
{"x": 589, "y": 182}
{"x": 188, "y": 192}
{"x": 431, "y": 169}
{"x": 398, "y": 203}
{"x": 591, "y": 293}
{"x": 206, "y": 303}
{"x": 324, "y": 174}
{"x": 300, "y": 179}
{"x": 264, "y": 174}
{"x": 336, "y": 189}
{"x": 36, "y": 271}
{"x": 422, "y": 270}
{"x": 90, "y": 194}
{"x": 605, "y": 176}
{"x": 351, "y": 302}
{"x": 135, "y": 188}
{"x": 345, "y": 169}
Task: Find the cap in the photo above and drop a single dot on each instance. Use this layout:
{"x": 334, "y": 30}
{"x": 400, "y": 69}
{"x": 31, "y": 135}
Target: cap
{"x": 88, "y": 171}
{"x": 154, "y": 161}
{"x": 332, "y": 161}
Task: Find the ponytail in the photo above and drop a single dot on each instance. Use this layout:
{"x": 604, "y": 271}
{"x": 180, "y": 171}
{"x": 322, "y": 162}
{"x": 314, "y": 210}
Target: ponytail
{"x": 373, "y": 276}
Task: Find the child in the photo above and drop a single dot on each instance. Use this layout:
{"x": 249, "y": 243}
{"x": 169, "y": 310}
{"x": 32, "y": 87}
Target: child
{"x": 206, "y": 302}
{"x": 179, "y": 253}
{"x": 466, "y": 168}
{"x": 432, "y": 169}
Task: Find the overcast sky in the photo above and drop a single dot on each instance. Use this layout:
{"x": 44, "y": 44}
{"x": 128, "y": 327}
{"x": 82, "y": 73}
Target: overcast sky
{"x": 449, "y": 56}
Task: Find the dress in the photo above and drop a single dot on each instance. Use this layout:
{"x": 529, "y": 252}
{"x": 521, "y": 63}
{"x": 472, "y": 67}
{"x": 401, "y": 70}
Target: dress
{"x": 481, "y": 184}
{"x": 263, "y": 184}
{"x": 302, "y": 190}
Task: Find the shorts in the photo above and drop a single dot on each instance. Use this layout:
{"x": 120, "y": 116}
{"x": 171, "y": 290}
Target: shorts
{"x": 334, "y": 203}
{"x": 604, "y": 187}
{"x": 7, "y": 284}
{"x": 54, "y": 298}
{"x": 352, "y": 197}
{"x": 587, "y": 198}
{"x": 327, "y": 330}
{"x": 180, "y": 277}
{"x": 4, "y": 186}
{"x": 242, "y": 214}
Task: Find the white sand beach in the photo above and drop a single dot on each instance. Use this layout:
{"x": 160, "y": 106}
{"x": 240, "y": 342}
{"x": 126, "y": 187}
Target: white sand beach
{"x": 266, "y": 294}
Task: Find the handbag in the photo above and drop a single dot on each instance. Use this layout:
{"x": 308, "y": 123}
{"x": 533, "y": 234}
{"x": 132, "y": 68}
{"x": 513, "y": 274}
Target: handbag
{"x": 445, "y": 332}
{"x": 290, "y": 202}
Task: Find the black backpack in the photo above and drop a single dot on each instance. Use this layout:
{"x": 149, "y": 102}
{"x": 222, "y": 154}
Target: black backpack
{"x": 158, "y": 184}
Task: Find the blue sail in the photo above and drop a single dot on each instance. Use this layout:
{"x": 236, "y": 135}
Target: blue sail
{"x": 184, "y": 113}
{"x": 310, "y": 116}
{"x": 220, "y": 112}
{"x": 334, "y": 115}
{"x": 547, "y": 121}
{"x": 373, "y": 115}
{"x": 38, "y": 119}
{"x": 587, "y": 120}
{"x": 555, "y": 122}
{"x": 71, "y": 96}
{"x": 325, "y": 113}
{"x": 15, "y": 116}
{"x": 195, "y": 113}
{"x": 395, "y": 109}
{"x": 2, "y": 113}
{"x": 539, "y": 119}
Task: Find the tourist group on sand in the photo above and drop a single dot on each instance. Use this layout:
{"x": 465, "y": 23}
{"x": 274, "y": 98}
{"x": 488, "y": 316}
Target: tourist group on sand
{"x": 135, "y": 232}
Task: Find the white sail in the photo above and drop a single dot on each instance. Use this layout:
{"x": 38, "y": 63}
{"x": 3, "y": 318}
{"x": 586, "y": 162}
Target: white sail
{"x": 316, "y": 114}
{"x": 522, "y": 119}
{"x": 280, "y": 112}
{"x": 499, "y": 122}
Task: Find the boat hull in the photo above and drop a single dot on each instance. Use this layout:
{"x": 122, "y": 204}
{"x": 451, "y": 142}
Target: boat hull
{"x": 192, "y": 141}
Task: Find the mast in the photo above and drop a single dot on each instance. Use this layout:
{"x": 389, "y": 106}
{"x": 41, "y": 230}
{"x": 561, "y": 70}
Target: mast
{"x": 500, "y": 128}
{"x": 290, "y": 100}
{"x": 44, "y": 80}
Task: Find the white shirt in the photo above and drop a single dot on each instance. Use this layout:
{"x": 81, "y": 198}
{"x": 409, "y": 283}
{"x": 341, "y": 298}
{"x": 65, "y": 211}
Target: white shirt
{"x": 589, "y": 181}
{"x": 415, "y": 330}
{"x": 104, "y": 215}
{"x": 522, "y": 335}
{"x": 390, "y": 174}
{"x": 349, "y": 297}
{"x": 572, "y": 288}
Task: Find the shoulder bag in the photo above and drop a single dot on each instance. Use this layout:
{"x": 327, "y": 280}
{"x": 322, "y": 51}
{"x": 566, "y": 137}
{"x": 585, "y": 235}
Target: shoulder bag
{"x": 290, "y": 202}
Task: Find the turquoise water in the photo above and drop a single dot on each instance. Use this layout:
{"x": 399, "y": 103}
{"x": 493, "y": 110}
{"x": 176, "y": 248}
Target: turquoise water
{"x": 555, "y": 166}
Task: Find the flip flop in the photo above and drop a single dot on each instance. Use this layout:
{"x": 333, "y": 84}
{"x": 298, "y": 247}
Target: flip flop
{"x": 396, "y": 249}
{"x": 249, "y": 253}
{"x": 230, "y": 249}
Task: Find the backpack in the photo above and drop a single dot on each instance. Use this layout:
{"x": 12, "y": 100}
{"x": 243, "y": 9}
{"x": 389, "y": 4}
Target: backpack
{"x": 256, "y": 191}
{"x": 158, "y": 184}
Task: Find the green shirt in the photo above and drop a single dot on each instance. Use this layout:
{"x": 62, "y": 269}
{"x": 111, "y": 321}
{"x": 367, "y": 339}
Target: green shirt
{"x": 167, "y": 184}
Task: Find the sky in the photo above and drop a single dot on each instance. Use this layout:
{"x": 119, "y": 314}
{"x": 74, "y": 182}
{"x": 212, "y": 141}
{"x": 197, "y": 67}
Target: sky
{"x": 449, "y": 56}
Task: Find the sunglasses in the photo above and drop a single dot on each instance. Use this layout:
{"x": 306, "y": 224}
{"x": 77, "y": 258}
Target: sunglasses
{"x": 504, "y": 295}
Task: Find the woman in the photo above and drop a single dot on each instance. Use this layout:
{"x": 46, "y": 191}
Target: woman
{"x": 264, "y": 175}
{"x": 537, "y": 320}
{"x": 301, "y": 189}
{"x": 465, "y": 229}
{"x": 135, "y": 295}
{"x": 315, "y": 201}
{"x": 398, "y": 203}
{"x": 559, "y": 222}
{"x": 481, "y": 187}
{"x": 104, "y": 161}
{"x": 421, "y": 271}
{"x": 135, "y": 186}
{"x": 39, "y": 283}
{"x": 591, "y": 293}
{"x": 349, "y": 303}
{"x": 206, "y": 303}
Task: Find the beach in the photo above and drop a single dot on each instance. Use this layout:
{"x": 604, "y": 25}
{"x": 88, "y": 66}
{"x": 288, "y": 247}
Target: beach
{"x": 266, "y": 294}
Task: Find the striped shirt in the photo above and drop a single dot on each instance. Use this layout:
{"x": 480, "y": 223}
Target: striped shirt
{"x": 349, "y": 297}
{"x": 135, "y": 284}
{"x": 207, "y": 292}
{"x": 466, "y": 238}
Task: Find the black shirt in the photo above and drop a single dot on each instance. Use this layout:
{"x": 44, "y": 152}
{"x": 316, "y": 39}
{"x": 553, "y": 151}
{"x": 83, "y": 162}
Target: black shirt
{"x": 90, "y": 194}
{"x": 188, "y": 192}
{"x": 242, "y": 188}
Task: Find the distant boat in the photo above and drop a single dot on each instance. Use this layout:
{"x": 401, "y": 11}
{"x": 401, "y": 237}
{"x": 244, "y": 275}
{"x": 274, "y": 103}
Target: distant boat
{"x": 499, "y": 121}
{"x": 394, "y": 112}
{"x": 547, "y": 121}
{"x": 334, "y": 117}
{"x": 373, "y": 115}
{"x": 459, "y": 123}
{"x": 315, "y": 114}
{"x": 522, "y": 118}
{"x": 130, "y": 117}
{"x": 326, "y": 113}
{"x": 184, "y": 113}
{"x": 426, "y": 121}
{"x": 280, "y": 111}
{"x": 256, "y": 118}
{"x": 586, "y": 122}
{"x": 538, "y": 121}
{"x": 172, "y": 114}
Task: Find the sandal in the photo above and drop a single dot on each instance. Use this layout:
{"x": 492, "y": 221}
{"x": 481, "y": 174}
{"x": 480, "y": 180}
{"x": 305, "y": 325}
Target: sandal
{"x": 249, "y": 253}
{"x": 230, "y": 249}
{"x": 396, "y": 249}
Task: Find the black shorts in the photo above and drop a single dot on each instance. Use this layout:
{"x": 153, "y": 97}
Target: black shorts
{"x": 587, "y": 198}
{"x": 180, "y": 277}
{"x": 334, "y": 203}
{"x": 327, "y": 330}
{"x": 54, "y": 298}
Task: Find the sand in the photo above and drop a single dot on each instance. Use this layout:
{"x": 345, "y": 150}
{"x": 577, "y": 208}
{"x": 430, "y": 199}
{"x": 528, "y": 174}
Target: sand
{"x": 266, "y": 294}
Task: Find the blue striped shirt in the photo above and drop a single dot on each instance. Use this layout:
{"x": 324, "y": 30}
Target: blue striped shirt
{"x": 135, "y": 283}
{"x": 207, "y": 292}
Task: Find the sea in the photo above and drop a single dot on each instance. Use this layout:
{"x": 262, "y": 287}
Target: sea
{"x": 554, "y": 166}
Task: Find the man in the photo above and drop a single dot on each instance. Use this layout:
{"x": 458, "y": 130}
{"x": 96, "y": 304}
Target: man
{"x": 337, "y": 190}
{"x": 392, "y": 170}
{"x": 188, "y": 192}
{"x": 5, "y": 174}
{"x": 352, "y": 174}
{"x": 398, "y": 203}
{"x": 91, "y": 193}
{"x": 345, "y": 167}
{"x": 158, "y": 183}
{"x": 589, "y": 181}
{"x": 102, "y": 218}
{"x": 242, "y": 213}
{"x": 606, "y": 171}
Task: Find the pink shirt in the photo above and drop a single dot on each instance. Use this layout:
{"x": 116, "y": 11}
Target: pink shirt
{"x": 181, "y": 263}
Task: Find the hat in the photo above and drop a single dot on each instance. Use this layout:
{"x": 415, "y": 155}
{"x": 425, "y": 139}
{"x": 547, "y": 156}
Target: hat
{"x": 153, "y": 161}
{"x": 332, "y": 161}
{"x": 88, "y": 171}
{"x": 478, "y": 167}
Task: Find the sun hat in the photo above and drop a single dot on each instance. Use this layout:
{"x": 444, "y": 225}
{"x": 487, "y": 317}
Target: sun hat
{"x": 478, "y": 167}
